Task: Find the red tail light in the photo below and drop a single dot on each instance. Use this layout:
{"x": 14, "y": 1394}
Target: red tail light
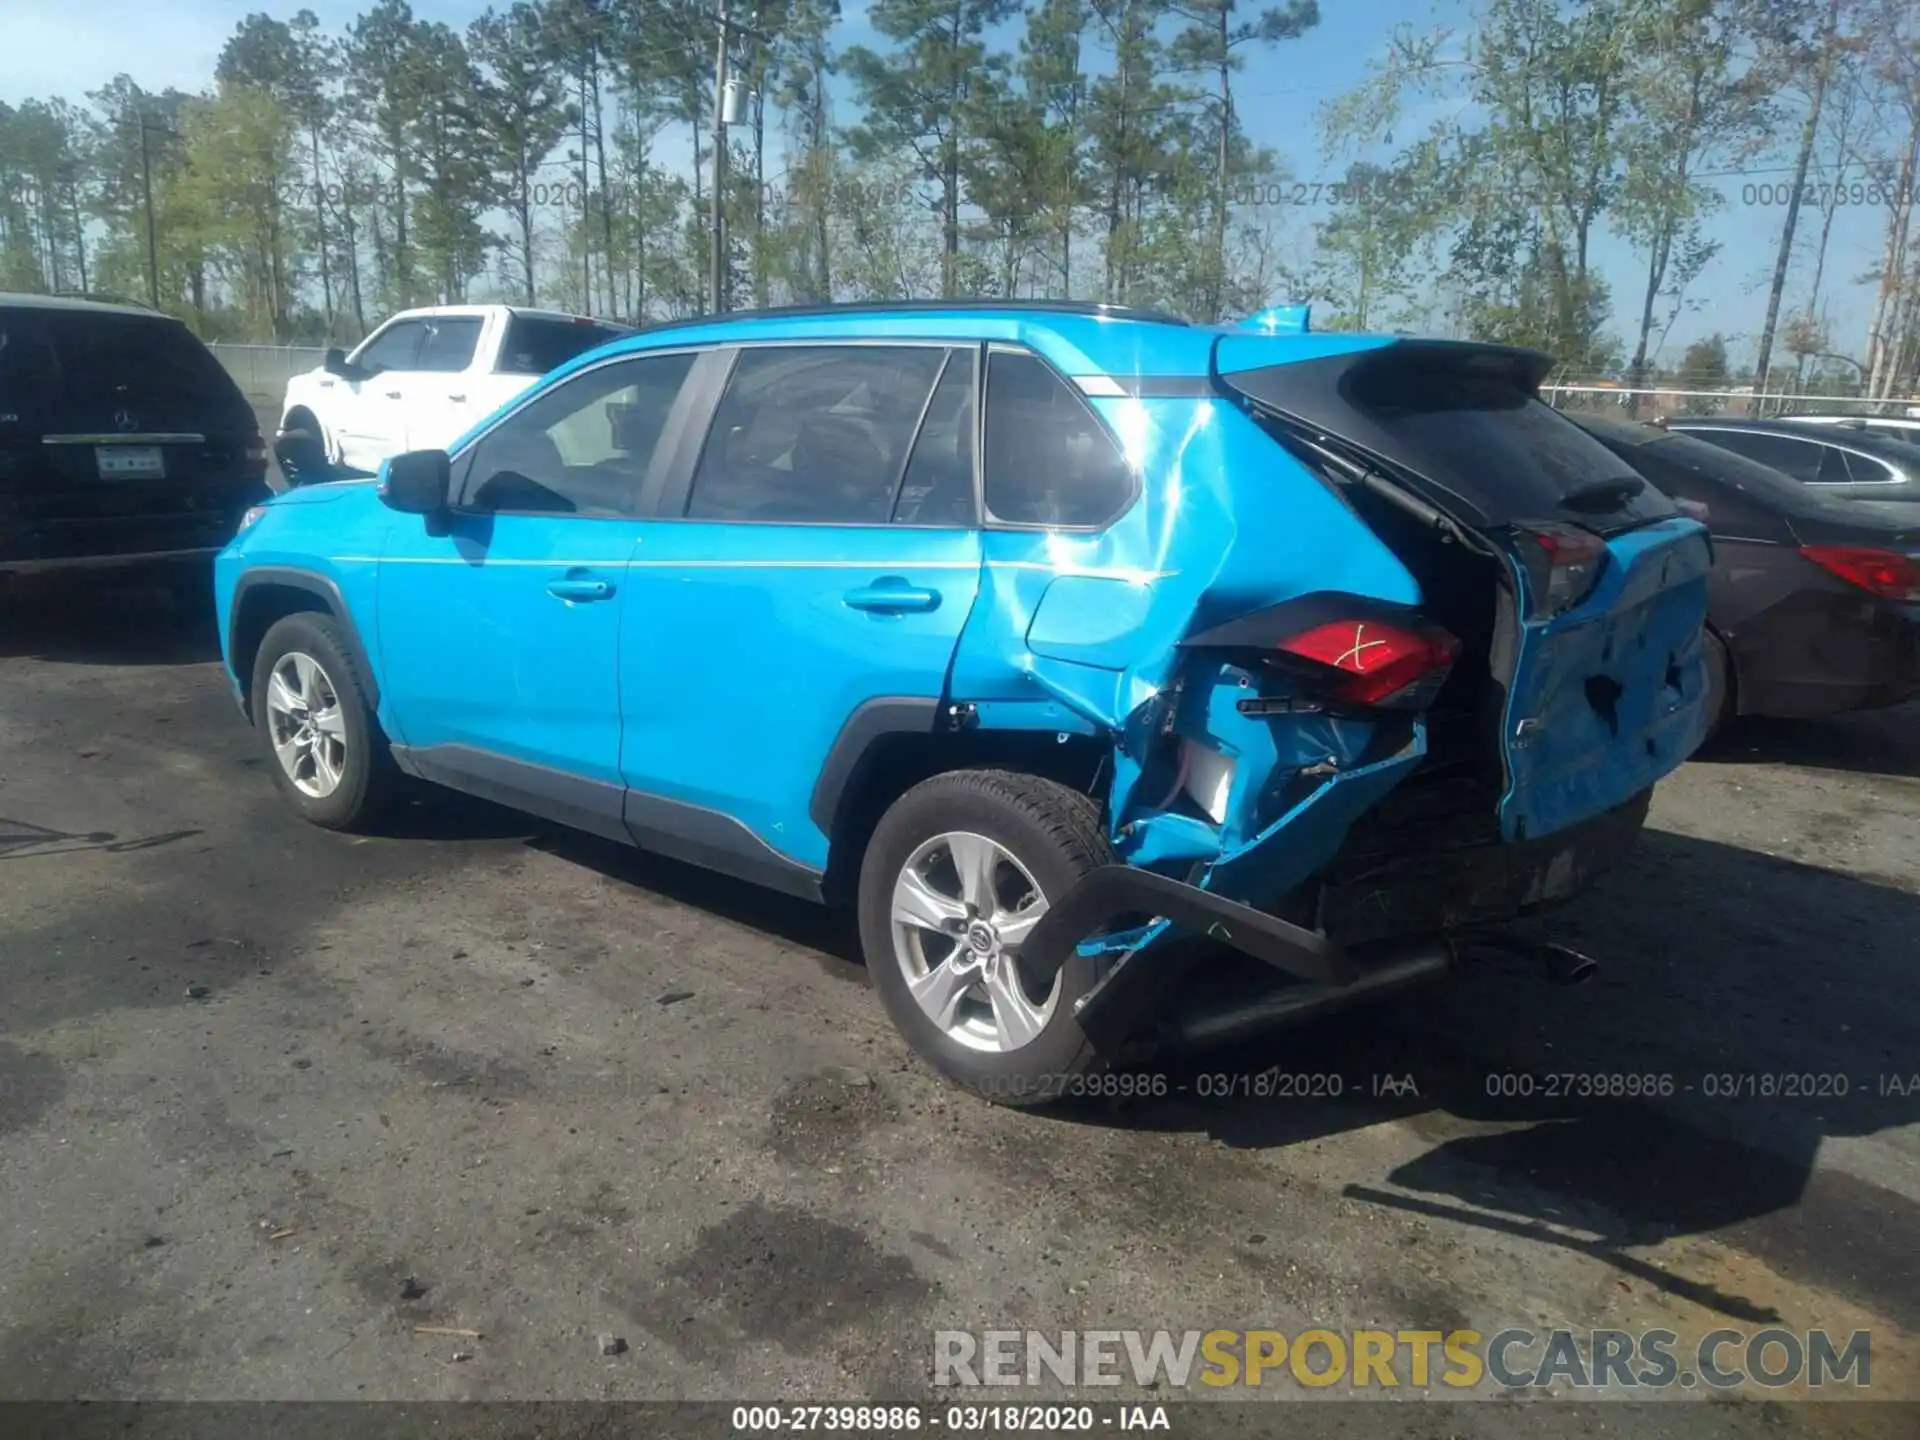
{"x": 1885, "y": 573}
{"x": 1563, "y": 565}
{"x": 256, "y": 455}
{"x": 1383, "y": 664}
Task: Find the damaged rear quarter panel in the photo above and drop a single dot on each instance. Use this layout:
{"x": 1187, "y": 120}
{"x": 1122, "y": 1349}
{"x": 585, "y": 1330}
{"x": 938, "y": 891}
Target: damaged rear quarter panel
{"x": 1225, "y": 523}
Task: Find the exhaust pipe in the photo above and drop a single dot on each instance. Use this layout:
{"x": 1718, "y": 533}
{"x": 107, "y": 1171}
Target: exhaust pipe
{"x": 1565, "y": 965}
{"x": 1206, "y": 1025}
{"x": 1561, "y": 964}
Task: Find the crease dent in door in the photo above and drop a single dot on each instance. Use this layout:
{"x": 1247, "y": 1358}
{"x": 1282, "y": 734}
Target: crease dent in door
{"x": 1094, "y": 623}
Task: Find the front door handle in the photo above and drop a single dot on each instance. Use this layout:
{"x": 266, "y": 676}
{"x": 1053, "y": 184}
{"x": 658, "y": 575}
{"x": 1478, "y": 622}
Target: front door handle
{"x": 890, "y": 595}
{"x": 393, "y": 394}
{"x": 458, "y": 399}
{"x": 580, "y": 585}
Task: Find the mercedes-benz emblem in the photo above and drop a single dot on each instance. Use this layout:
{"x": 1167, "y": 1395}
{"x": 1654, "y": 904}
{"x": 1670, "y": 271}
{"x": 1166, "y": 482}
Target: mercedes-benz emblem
{"x": 125, "y": 420}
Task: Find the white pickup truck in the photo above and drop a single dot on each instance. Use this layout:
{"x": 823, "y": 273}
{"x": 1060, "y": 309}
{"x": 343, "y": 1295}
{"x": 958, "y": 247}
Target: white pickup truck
{"x": 421, "y": 381}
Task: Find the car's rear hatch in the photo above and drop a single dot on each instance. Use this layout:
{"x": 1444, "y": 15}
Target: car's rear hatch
{"x": 1596, "y": 638}
{"x": 119, "y": 434}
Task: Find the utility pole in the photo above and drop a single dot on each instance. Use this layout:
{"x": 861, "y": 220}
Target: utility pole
{"x": 717, "y": 246}
{"x": 153, "y": 242}
{"x": 586, "y": 207}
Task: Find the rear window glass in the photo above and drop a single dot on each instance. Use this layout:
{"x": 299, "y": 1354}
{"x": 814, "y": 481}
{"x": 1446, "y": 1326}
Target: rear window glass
{"x": 1476, "y": 429}
{"x": 79, "y": 372}
{"x": 535, "y": 345}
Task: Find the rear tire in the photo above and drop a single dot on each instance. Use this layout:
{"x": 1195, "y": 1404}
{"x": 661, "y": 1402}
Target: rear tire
{"x": 1720, "y": 685}
{"x": 968, "y": 855}
{"x": 323, "y": 744}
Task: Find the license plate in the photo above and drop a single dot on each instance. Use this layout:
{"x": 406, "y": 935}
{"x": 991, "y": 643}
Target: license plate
{"x": 130, "y": 462}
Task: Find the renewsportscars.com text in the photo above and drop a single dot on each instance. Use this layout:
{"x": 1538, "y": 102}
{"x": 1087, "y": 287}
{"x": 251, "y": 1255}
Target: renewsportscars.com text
{"x": 1513, "y": 1358}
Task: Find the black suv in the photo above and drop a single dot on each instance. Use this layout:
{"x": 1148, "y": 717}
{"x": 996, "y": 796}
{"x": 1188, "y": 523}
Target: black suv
{"x": 123, "y": 443}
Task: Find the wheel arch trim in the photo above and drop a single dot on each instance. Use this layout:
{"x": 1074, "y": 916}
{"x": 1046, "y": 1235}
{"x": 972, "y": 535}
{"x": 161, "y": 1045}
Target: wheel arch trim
{"x": 324, "y": 589}
{"x": 869, "y": 722}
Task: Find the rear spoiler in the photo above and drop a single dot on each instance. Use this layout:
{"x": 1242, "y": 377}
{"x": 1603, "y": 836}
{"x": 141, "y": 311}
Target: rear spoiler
{"x": 1317, "y": 394}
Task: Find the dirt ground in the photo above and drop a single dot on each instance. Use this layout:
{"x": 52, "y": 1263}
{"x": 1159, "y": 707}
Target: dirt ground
{"x": 271, "y": 1097}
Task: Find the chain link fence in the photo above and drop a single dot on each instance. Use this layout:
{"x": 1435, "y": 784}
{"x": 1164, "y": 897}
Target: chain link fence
{"x": 1742, "y": 403}
{"x": 262, "y": 371}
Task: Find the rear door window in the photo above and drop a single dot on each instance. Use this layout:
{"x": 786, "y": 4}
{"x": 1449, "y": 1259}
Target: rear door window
{"x": 449, "y": 344}
{"x": 938, "y": 488}
{"x": 73, "y": 371}
{"x": 1798, "y": 458}
{"x": 535, "y": 344}
{"x": 1049, "y": 460}
{"x": 814, "y": 434}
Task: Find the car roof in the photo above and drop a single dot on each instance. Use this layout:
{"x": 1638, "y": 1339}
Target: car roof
{"x": 1885, "y": 447}
{"x": 854, "y": 309}
{"x": 1891, "y": 422}
{"x": 20, "y": 300}
{"x": 1079, "y": 338}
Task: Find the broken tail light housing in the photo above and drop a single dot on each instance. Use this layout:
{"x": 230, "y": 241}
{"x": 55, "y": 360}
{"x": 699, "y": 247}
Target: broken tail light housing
{"x": 1563, "y": 565}
{"x": 1886, "y": 573}
{"x": 1377, "y": 663}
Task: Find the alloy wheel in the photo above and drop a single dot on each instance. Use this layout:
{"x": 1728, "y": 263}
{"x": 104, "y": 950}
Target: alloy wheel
{"x": 304, "y": 719}
{"x": 962, "y": 907}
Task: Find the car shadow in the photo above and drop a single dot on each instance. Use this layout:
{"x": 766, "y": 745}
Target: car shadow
{"x": 1760, "y": 1007}
{"x": 1869, "y": 742}
{"x": 107, "y": 622}
{"x": 830, "y": 933}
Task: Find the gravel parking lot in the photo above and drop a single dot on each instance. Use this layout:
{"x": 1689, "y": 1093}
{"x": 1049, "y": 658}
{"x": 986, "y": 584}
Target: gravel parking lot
{"x": 270, "y": 1098}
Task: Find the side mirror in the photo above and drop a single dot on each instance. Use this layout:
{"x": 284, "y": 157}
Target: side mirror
{"x": 335, "y": 363}
{"x": 416, "y": 483}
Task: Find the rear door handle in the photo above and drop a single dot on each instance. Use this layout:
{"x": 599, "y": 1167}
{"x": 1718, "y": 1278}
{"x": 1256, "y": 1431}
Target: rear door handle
{"x": 890, "y": 595}
{"x": 393, "y": 394}
{"x": 458, "y": 399}
{"x": 580, "y": 585}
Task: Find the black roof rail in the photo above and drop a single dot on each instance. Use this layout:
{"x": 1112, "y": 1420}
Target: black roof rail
{"x": 919, "y": 307}
{"x": 102, "y": 297}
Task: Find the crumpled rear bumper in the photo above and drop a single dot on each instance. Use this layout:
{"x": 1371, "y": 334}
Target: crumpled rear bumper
{"x": 1401, "y": 904}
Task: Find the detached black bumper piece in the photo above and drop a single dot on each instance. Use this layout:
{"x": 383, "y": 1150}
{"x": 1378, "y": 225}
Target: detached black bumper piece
{"x": 1386, "y": 918}
{"x": 1106, "y": 894}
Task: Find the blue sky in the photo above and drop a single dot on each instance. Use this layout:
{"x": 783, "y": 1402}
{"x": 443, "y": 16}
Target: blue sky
{"x": 67, "y": 47}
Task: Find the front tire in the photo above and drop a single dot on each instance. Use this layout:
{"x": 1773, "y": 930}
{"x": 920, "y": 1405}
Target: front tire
{"x": 954, "y": 878}
{"x": 324, "y": 746}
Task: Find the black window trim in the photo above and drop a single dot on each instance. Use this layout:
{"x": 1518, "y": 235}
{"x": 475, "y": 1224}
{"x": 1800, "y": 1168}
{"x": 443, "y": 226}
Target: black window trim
{"x": 992, "y": 522}
{"x": 646, "y": 498}
{"x": 678, "y": 492}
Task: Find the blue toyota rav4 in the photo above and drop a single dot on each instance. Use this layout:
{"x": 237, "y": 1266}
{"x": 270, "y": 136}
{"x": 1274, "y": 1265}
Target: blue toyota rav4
{"x": 1049, "y": 637}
